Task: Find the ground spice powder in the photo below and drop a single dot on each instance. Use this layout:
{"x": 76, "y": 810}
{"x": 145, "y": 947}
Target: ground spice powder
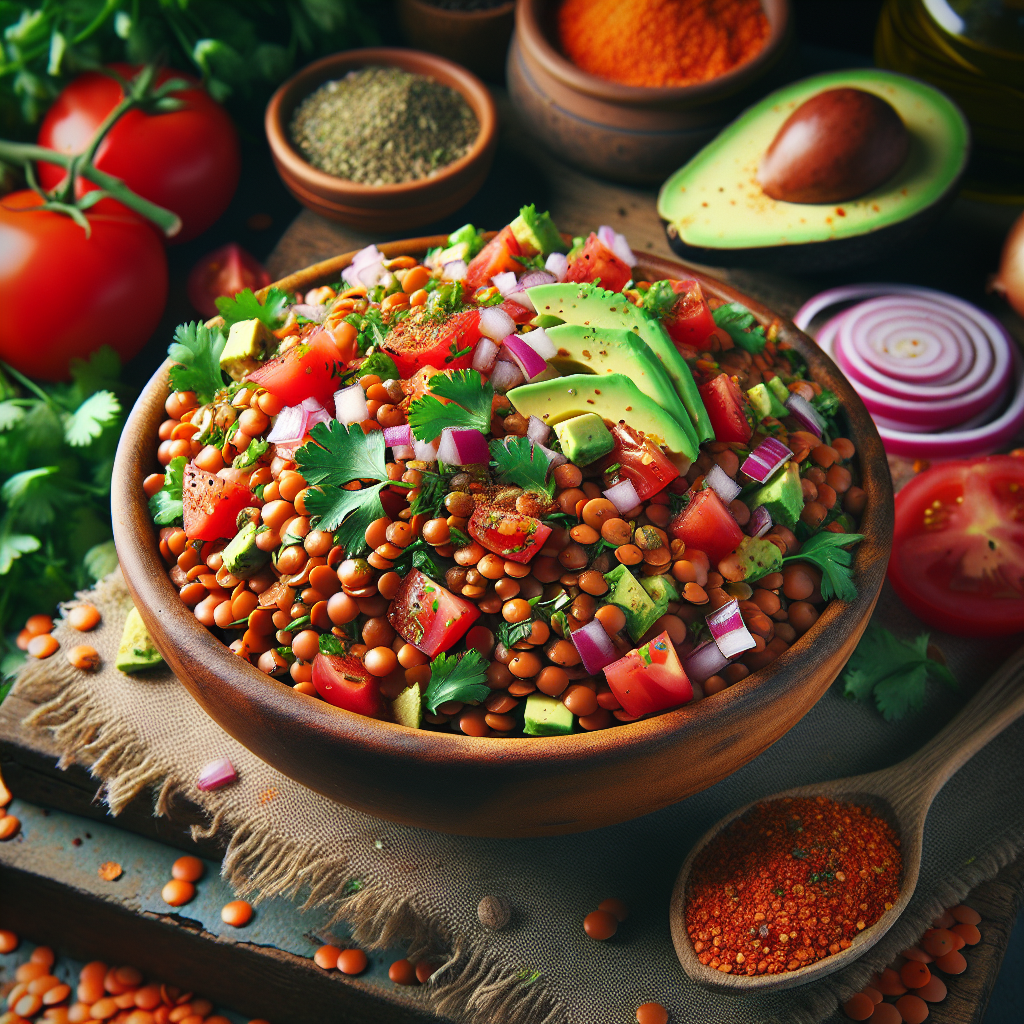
{"x": 661, "y": 42}
{"x": 789, "y": 883}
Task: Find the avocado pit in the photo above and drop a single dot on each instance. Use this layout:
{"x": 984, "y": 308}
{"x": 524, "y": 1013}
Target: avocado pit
{"x": 836, "y": 146}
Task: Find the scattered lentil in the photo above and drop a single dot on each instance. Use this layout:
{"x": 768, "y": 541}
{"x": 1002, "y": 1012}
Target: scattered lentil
{"x": 402, "y": 972}
{"x": 600, "y": 925}
{"x": 237, "y": 913}
{"x": 327, "y": 957}
{"x": 110, "y": 871}
{"x": 494, "y": 912}
{"x": 188, "y": 869}
{"x": 176, "y": 892}
{"x": 352, "y": 961}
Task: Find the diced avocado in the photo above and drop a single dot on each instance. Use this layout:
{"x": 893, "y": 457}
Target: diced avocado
{"x": 458, "y": 251}
{"x": 764, "y": 403}
{"x": 546, "y": 716}
{"x": 614, "y": 396}
{"x": 779, "y": 390}
{"x": 469, "y": 236}
{"x": 248, "y": 342}
{"x": 241, "y": 557}
{"x": 408, "y": 707}
{"x": 625, "y": 592}
{"x": 783, "y": 496}
{"x": 591, "y": 306}
{"x": 536, "y": 232}
{"x": 758, "y": 557}
{"x": 137, "y": 650}
{"x": 607, "y": 350}
{"x": 662, "y": 589}
{"x": 545, "y": 321}
{"x": 584, "y": 439}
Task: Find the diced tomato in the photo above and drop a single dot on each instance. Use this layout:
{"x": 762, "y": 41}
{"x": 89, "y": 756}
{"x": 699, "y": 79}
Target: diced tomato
{"x": 706, "y": 524}
{"x": 509, "y": 534}
{"x": 211, "y": 504}
{"x": 419, "y": 341}
{"x": 690, "y": 322}
{"x": 496, "y": 257}
{"x": 429, "y": 617}
{"x": 306, "y": 370}
{"x": 342, "y": 680}
{"x": 640, "y": 460}
{"x": 519, "y": 314}
{"x": 650, "y": 678}
{"x": 595, "y": 260}
{"x": 722, "y": 399}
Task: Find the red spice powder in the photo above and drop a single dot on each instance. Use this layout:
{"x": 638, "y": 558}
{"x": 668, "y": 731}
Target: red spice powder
{"x": 661, "y": 42}
{"x": 789, "y": 883}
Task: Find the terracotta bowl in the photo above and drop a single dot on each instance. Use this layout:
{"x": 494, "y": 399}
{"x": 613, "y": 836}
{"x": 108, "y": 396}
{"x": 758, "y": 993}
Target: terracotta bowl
{"x": 489, "y": 786}
{"x": 625, "y": 132}
{"x": 383, "y": 208}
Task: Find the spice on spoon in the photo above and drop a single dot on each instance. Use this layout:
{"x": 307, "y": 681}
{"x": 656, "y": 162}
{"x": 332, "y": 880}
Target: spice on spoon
{"x": 791, "y": 882}
{"x": 383, "y": 126}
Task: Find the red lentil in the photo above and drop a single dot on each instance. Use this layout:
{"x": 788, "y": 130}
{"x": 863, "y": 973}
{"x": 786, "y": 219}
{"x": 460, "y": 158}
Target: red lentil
{"x": 352, "y": 961}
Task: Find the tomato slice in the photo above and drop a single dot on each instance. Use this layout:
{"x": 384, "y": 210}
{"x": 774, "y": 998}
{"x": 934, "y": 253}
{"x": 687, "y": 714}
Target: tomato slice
{"x": 519, "y": 314}
{"x": 225, "y": 271}
{"x": 724, "y": 403}
{"x": 595, "y": 260}
{"x": 420, "y": 341}
{"x": 650, "y": 678}
{"x": 496, "y": 257}
{"x": 342, "y": 680}
{"x": 211, "y": 504}
{"x": 640, "y": 460}
{"x": 429, "y": 617}
{"x": 306, "y": 370}
{"x": 509, "y": 534}
{"x": 958, "y": 547}
{"x": 707, "y": 525}
{"x": 690, "y": 322}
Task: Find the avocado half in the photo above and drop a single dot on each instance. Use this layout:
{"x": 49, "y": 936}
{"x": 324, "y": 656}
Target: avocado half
{"x": 715, "y": 211}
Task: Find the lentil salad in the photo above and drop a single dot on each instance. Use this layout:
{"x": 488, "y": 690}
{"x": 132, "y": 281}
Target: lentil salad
{"x": 441, "y": 492}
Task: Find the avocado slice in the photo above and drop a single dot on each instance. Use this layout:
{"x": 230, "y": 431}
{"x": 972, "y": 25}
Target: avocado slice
{"x": 764, "y": 402}
{"x": 715, "y": 211}
{"x": 536, "y": 232}
{"x": 590, "y": 306}
{"x": 783, "y": 496}
{"x": 607, "y": 350}
{"x": 546, "y": 716}
{"x": 640, "y": 609}
{"x": 136, "y": 651}
{"x": 758, "y": 556}
{"x": 241, "y": 557}
{"x": 615, "y": 397}
{"x": 584, "y": 439}
{"x": 248, "y": 342}
{"x": 662, "y": 589}
{"x": 408, "y": 706}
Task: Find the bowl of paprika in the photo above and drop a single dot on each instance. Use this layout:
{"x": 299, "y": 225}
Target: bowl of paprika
{"x": 630, "y": 89}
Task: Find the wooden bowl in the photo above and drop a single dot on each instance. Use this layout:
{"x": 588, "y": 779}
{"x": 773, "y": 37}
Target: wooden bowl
{"x": 383, "y": 208}
{"x": 490, "y": 786}
{"x": 477, "y": 40}
{"x": 627, "y": 132}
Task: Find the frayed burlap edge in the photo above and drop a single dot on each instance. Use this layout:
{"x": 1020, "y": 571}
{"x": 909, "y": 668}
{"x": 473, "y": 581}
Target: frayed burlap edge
{"x": 471, "y": 984}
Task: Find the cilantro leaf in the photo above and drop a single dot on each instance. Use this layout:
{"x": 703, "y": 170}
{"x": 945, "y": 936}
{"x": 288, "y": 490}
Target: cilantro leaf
{"x": 456, "y": 678}
{"x": 419, "y": 555}
{"x": 245, "y": 306}
{"x": 381, "y": 364}
{"x": 100, "y": 560}
{"x": 510, "y": 633}
{"x": 894, "y": 672}
{"x": 330, "y": 644}
{"x": 431, "y": 494}
{"x": 196, "y": 350}
{"x": 828, "y": 552}
{"x": 165, "y": 506}
{"x": 14, "y": 545}
{"x": 741, "y": 325}
{"x": 90, "y": 419}
{"x": 517, "y": 462}
{"x": 11, "y": 413}
{"x": 252, "y": 454}
{"x": 660, "y": 299}
{"x": 469, "y": 405}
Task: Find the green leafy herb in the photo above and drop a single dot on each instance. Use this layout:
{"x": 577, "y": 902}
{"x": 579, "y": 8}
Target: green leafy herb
{"x": 892, "y": 672}
{"x": 458, "y": 539}
{"x": 469, "y": 405}
{"x": 548, "y": 609}
{"x": 660, "y": 299}
{"x": 196, "y": 350}
{"x": 245, "y": 306}
{"x": 419, "y": 555}
{"x": 827, "y": 403}
{"x": 828, "y": 552}
{"x": 252, "y": 454}
{"x": 88, "y": 421}
{"x": 381, "y": 364}
{"x": 165, "y": 506}
{"x": 741, "y": 325}
{"x": 330, "y": 644}
{"x": 516, "y": 461}
{"x": 444, "y": 300}
{"x": 431, "y": 494}
{"x": 456, "y": 678}
{"x": 677, "y": 502}
{"x": 510, "y": 633}
{"x": 371, "y": 329}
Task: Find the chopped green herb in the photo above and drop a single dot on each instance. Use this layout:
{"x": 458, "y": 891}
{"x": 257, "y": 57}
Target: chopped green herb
{"x": 381, "y": 364}
{"x": 252, "y": 454}
{"x": 469, "y": 405}
{"x": 330, "y": 644}
{"x": 165, "y": 506}
{"x": 741, "y": 325}
{"x": 245, "y": 306}
{"x": 510, "y": 633}
{"x": 516, "y": 461}
{"x": 196, "y": 350}
{"x": 456, "y": 678}
{"x": 828, "y": 552}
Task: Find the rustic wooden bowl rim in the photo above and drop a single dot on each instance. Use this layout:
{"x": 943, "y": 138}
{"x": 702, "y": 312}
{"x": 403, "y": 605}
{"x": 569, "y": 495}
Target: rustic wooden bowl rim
{"x": 465, "y": 17}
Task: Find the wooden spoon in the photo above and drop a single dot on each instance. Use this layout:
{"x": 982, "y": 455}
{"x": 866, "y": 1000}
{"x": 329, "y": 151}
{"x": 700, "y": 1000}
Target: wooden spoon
{"x": 901, "y": 794}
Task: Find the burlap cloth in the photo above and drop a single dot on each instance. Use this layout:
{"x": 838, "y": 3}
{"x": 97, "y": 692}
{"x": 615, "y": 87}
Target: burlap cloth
{"x": 146, "y": 732}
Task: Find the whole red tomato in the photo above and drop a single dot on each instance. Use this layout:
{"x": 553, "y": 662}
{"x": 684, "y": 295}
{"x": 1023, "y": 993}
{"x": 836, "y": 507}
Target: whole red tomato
{"x": 187, "y": 161}
{"x": 63, "y": 295}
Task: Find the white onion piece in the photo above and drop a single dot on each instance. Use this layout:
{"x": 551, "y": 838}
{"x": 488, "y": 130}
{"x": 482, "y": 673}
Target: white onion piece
{"x": 318, "y": 415}
{"x": 403, "y": 452}
{"x": 528, "y": 361}
{"x": 617, "y": 243}
{"x": 506, "y": 376}
{"x": 289, "y": 425}
{"x": 535, "y": 278}
{"x": 397, "y": 437}
{"x": 704, "y": 661}
{"x": 425, "y": 451}
{"x": 623, "y": 495}
{"x": 454, "y": 270}
{"x": 315, "y": 313}
{"x": 505, "y": 282}
{"x": 495, "y": 323}
{"x": 537, "y": 430}
{"x": 539, "y": 341}
{"x": 722, "y": 484}
{"x": 362, "y": 259}
{"x": 484, "y": 355}
{"x": 558, "y": 264}
{"x": 554, "y": 458}
{"x": 729, "y": 632}
{"x": 760, "y": 522}
{"x": 350, "y": 405}
{"x": 803, "y": 411}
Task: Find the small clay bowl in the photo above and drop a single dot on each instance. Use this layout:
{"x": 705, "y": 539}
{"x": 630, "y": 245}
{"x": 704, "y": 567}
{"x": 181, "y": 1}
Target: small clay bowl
{"x": 476, "y": 39}
{"x": 383, "y": 208}
{"x": 625, "y": 132}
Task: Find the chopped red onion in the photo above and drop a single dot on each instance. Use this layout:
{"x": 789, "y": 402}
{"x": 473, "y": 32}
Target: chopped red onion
{"x": 463, "y": 446}
{"x": 495, "y": 323}
{"x": 805, "y": 412}
{"x": 539, "y": 341}
{"x": 216, "y": 774}
{"x": 554, "y": 458}
{"x": 537, "y": 430}
{"x": 309, "y": 312}
{"x": 484, "y": 355}
{"x": 730, "y": 633}
{"x": 704, "y": 661}
{"x": 535, "y": 278}
{"x": 289, "y": 425}
{"x": 315, "y": 413}
{"x": 425, "y": 451}
{"x": 617, "y": 243}
{"x": 623, "y": 495}
{"x": 760, "y": 522}
{"x": 400, "y": 436}
{"x": 558, "y": 264}
{"x": 595, "y": 646}
{"x": 454, "y": 270}
{"x": 505, "y": 376}
{"x": 531, "y": 364}
{"x": 722, "y": 484}
{"x": 367, "y": 257}
{"x": 770, "y": 455}
{"x": 350, "y": 404}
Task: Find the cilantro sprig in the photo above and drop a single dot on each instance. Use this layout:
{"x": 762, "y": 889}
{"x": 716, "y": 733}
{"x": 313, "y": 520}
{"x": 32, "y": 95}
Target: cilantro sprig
{"x": 381, "y": 364}
{"x": 516, "y": 461}
{"x": 469, "y": 405}
{"x": 828, "y": 552}
{"x": 245, "y": 306}
{"x": 454, "y": 677}
{"x": 741, "y": 325}
{"x": 892, "y": 673}
{"x": 196, "y": 353}
{"x": 166, "y": 506}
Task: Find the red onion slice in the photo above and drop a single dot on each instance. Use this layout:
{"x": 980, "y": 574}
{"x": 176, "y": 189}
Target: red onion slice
{"x": 537, "y": 430}
{"x": 216, "y": 774}
{"x": 595, "y": 646}
{"x": 535, "y": 278}
{"x": 495, "y": 323}
{"x": 350, "y": 405}
{"x": 531, "y": 364}
{"x": 802, "y": 410}
{"x": 617, "y": 243}
{"x": 554, "y": 458}
{"x": 398, "y": 436}
{"x": 623, "y": 495}
{"x": 721, "y": 483}
{"x": 730, "y": 633}
{"x": 454, "y": 270}
{"x": 704, "y": 661}
{"x": 363, "y": 259}
{"x": 771, "y": 454}
{"x": 760, "y": 522}
{"x": 463, "y": 446}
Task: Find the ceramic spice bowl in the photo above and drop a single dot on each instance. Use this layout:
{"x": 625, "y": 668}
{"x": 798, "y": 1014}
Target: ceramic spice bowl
{"x": 383, "y": 208}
